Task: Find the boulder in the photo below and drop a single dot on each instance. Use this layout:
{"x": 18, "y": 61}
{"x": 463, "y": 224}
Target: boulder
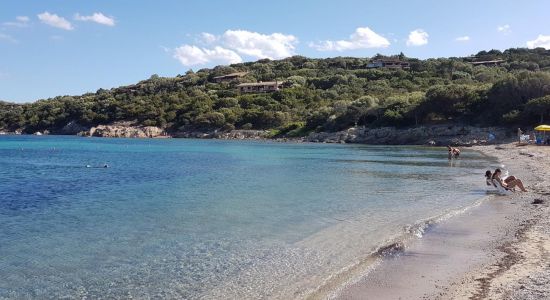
{"x": 126, "y": 131}
{"x": 73, "y": 128}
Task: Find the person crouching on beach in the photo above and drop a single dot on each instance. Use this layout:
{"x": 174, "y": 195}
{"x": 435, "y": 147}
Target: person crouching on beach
{"x": 453, "y": 152}
{"x": 489, "y": 178}
{"x": 509, "y": 182}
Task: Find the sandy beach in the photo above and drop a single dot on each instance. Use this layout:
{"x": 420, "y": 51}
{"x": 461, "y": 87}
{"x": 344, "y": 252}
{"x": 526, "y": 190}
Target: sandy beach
{"x": 497, "y": 250}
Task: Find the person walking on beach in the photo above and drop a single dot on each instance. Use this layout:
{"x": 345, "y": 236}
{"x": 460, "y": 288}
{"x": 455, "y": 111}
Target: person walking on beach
{"x": 509, "y": 182}
{"x": 519, "y": 135}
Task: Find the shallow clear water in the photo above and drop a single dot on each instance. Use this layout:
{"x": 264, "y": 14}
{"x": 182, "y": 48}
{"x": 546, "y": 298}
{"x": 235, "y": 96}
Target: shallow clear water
{"x": 207, "y": 219}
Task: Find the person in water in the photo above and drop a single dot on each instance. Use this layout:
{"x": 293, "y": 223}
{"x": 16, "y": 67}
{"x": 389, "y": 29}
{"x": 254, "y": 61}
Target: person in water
{"x": 453, "y": 152}
{"x": 509, "y": 182}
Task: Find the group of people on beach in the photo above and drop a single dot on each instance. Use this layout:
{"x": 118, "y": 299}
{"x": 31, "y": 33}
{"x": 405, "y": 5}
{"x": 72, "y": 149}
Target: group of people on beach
{"x": 493, "y": 178}
{"x": 507, "y": 182}
{"x": 531, "y": 138}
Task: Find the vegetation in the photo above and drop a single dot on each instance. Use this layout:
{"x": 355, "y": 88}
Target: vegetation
{"x": 318, "y": 95}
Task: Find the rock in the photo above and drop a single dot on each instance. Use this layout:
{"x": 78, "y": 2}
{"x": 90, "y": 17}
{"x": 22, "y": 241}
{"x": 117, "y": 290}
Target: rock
{"x": 125, "y": 130}
{"x": 225, "y": 135}
{"x": 537, "y": 201}
{"x": 432, "y": 135}
{"x": 73, "y": 128}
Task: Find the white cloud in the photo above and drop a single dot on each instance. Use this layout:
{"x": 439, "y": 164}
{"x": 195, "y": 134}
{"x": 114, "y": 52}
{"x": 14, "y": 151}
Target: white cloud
{"x": 417, "y": 37}
{"x": 8, "y": 38}
{"x": 462, "y": 38}
{"x": 228, "y": 47}
{"x": 189, "y": 55}
{"x": 98, "y": 18}
{"x": 541, "y": 41}
{"x": 55, "y": 21}
{"x": 505, "y": 29}
{"x": 208, "y": 38}
{"x": 362, "y": 38}
{"x": 272, "y": 46}
{"x": 20, "y": 21}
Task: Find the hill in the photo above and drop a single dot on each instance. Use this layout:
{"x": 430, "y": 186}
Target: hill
{"x": 490, "y": 88}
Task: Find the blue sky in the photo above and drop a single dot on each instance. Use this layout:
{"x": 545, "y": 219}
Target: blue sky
{"x": 69, "y": 47}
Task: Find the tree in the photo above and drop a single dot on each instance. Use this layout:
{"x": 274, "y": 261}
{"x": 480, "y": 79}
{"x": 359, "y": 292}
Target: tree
{"x": 320, "y": 94}
{"x": 516, "y": 90}
{"x": 210, "y": 120}
{"x": 449, "y": 101}
{"x": 539, "y": 106}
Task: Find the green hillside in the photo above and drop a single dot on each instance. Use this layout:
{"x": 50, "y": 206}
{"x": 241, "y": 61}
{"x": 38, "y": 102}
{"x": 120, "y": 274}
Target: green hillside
{"x": 317, "y": 95}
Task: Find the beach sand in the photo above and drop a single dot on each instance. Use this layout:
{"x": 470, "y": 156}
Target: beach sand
{"x": 497, "y": 250}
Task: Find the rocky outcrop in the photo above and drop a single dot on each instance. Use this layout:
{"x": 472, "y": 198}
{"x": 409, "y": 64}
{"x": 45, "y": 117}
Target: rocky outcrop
{"x": 225, "y": 135}
{"x": 436, "y": 135}
{"x": 422, "y": 135}
{"x": 125, "y": 131}
{"x": 72, "y": 128}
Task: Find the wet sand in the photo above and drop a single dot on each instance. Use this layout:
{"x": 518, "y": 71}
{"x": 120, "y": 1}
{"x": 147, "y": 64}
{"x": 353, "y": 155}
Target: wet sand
{"x": 498, "y": 250}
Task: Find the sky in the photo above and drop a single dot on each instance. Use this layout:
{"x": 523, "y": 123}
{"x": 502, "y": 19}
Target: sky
{"x": 50, "y": 48}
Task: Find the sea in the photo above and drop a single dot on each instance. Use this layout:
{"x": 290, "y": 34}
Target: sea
{"x": 214, "y": 219}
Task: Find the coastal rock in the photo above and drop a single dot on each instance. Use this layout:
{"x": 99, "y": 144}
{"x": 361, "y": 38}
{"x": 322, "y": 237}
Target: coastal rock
{"x": 125, "y": 131}
{"x": 73, "y": 128}
{"x": 432, "y": 135}
{"x": 225, "y": 135}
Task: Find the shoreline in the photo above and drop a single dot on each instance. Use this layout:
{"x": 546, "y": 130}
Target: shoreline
{"x": 429, "y": 135}
{"x": 394, "y": 247}
{"x": 496, "y": 250}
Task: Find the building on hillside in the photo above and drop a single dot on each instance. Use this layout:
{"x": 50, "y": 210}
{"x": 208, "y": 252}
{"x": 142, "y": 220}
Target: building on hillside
{"x": 229, "y": 77}
{"x": 259, "y": 87}
{"x": 389, "y": 64}
{"x": 488, "y": 63}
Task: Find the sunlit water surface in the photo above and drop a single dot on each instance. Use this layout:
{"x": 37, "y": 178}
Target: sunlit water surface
{"x": 206, "y": 219}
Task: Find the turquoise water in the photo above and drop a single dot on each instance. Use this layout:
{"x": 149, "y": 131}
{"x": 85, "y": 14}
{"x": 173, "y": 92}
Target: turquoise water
{"x": 207, "y": 219}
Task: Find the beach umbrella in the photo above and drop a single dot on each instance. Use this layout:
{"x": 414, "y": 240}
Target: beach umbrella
{"x": 543, "y": 128}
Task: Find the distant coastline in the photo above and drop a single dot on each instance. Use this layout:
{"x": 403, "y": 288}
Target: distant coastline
{"x": 435, "y": 135}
